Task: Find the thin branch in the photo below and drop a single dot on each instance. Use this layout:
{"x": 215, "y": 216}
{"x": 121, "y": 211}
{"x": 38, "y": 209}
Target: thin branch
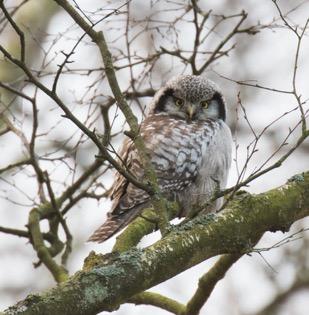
{"x": 290, "y": 238}
{"x": 17, "y": 30}
{"x": 158, "y": 300}
{"x": 9, "y": 167}
{"x": 23, "y": 233}
{"x": 17, "y": 92}
{"x": 208, "y": 282}
{"x": 20, "y": 233}
{"x": 234, "y": 31}
{"x": 12, "y": 13}
{"x": 255, "y": 85}
{"x": 58, "y": 272}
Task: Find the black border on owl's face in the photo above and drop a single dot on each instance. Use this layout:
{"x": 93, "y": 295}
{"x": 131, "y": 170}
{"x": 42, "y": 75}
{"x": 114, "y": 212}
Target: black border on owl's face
{"x": 222, "y": 112}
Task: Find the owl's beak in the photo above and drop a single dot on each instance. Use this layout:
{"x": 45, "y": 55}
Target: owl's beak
{"x": 190, "y": 111}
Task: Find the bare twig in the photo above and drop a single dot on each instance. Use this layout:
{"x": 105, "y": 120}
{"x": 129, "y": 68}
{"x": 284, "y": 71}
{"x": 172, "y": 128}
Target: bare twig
{"x": 17, "y": 30}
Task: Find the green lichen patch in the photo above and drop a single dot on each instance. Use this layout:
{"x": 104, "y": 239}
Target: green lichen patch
{"x": 94, "y": 292}
{"x": 298, "y": 178}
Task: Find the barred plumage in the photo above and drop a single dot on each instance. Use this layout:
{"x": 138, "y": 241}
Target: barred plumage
{"x": 190, "y": 149}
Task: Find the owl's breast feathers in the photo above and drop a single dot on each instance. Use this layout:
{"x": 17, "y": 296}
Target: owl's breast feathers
{"x": 177, "y": 150}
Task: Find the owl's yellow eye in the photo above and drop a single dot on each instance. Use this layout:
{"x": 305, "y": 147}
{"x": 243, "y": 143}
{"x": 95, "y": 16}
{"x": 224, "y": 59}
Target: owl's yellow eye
{"x": 204, "y": 104}
{"x": 179, "y": 102}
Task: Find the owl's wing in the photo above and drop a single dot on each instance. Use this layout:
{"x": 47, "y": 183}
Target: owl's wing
{"x": 125, "y": 195}
{"x": 119, "y": 215}
{"x": 121, "y": 183}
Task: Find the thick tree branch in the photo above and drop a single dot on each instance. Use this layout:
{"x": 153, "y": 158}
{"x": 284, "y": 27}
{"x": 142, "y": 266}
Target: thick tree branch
{"x": 110, "y": 280}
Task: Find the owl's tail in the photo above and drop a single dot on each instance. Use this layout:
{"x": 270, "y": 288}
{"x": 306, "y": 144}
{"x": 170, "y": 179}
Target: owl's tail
{"x": 111, "y": 226}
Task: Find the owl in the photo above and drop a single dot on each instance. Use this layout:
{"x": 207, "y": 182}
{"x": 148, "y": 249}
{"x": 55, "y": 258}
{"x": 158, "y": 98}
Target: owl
{"x": 189, "y": 145}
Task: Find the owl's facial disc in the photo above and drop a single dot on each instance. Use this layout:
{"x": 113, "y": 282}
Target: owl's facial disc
{"x": 201, "y": 102}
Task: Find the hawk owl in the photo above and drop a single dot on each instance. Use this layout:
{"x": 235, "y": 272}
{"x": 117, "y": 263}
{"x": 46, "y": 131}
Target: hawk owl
{"x": 189, "y": 146}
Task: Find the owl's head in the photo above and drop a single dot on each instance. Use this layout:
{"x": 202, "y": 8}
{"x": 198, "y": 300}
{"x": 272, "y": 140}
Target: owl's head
{"x": 191, "y": 98}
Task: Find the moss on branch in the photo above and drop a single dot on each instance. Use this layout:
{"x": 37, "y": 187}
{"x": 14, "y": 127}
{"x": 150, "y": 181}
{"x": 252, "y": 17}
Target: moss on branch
{"x": 142, "y": 226}
{"x": 44, "y": 254}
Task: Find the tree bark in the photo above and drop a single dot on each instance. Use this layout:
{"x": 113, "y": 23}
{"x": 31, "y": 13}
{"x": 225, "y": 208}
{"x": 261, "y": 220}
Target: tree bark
{"x": 110, "y": 280}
